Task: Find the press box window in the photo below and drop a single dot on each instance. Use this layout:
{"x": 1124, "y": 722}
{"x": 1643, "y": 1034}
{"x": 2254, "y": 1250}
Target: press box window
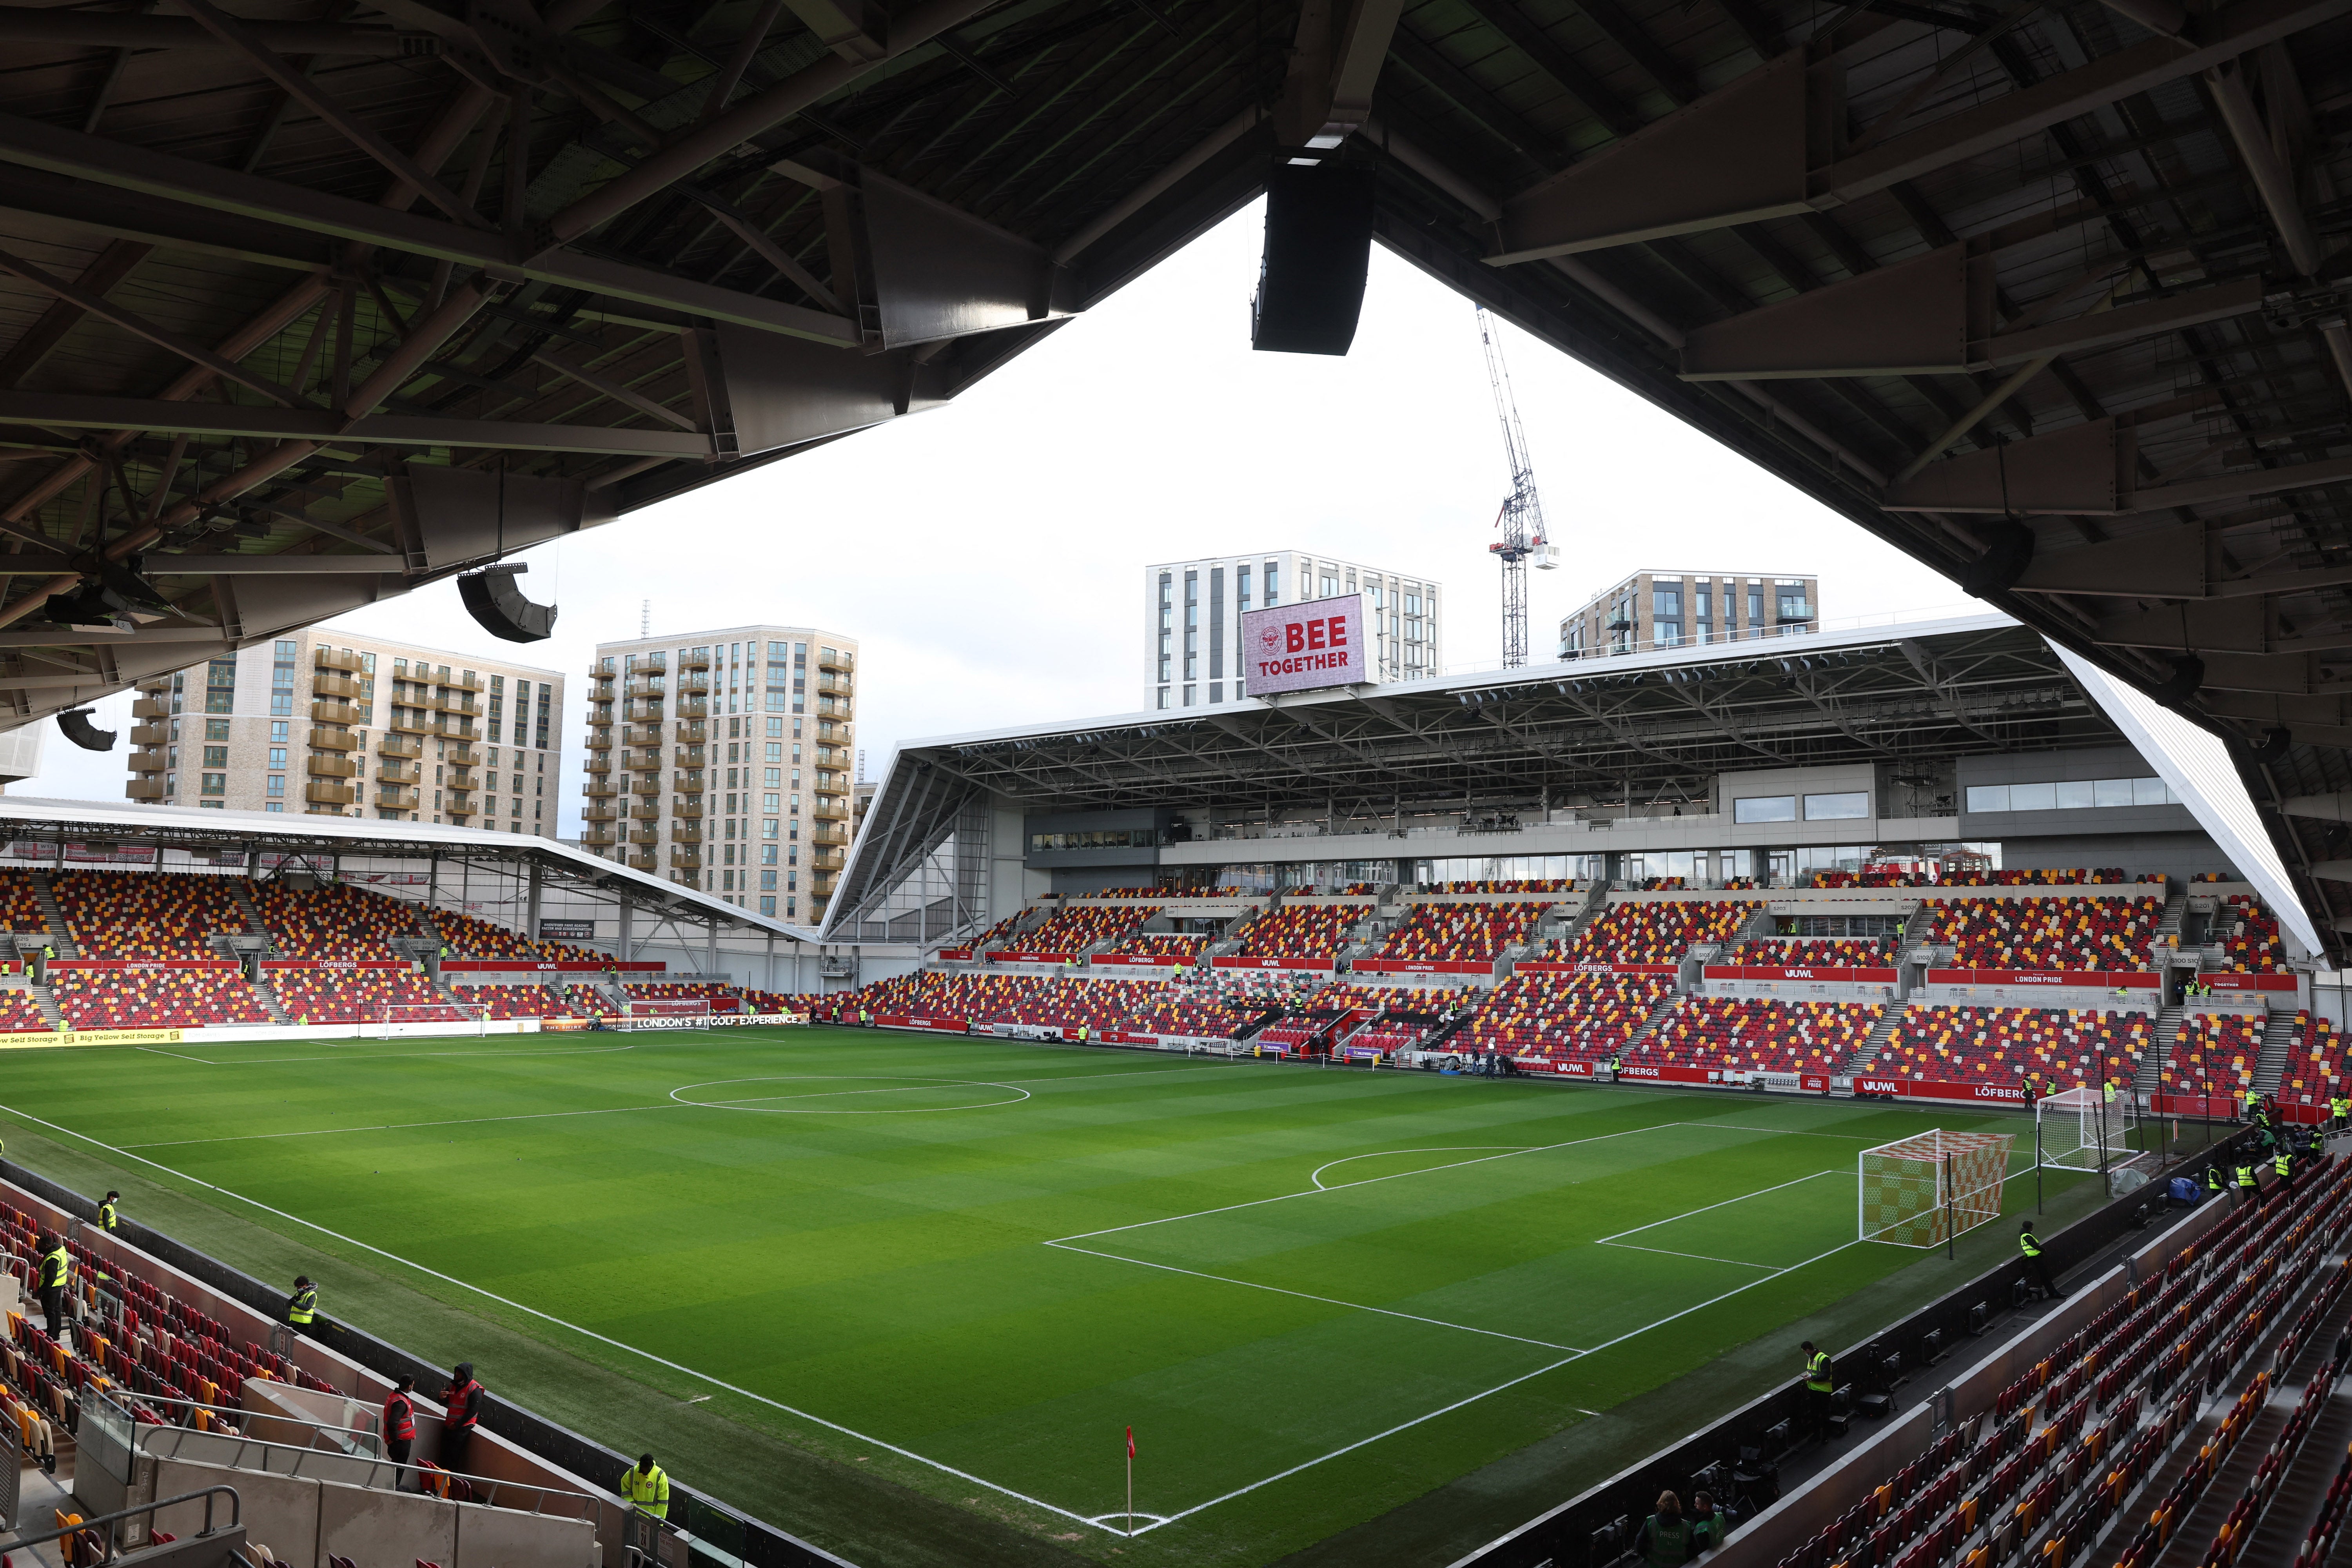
{"x": 1836, "y": 808}
{"x": 2073, "y": 794}
{"x": 1765, "y": 808}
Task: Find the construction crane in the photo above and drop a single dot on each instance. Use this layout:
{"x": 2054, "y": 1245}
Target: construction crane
{"x": 1521, "y": 520}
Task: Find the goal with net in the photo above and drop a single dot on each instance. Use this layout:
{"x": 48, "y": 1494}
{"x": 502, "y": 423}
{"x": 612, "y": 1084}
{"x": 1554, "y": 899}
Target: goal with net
{"x": 1923, "y": 1190}
{"x": 2085, "y": 1128}
{"x": 669, "y": 1007}
{"x": 446, "y": 1017}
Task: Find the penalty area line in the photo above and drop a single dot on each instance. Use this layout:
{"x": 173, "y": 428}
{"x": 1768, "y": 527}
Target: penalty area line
{"x": 585, "y": 1333}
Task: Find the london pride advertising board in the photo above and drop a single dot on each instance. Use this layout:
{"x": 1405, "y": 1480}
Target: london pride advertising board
{"x": 1302, "y": 647}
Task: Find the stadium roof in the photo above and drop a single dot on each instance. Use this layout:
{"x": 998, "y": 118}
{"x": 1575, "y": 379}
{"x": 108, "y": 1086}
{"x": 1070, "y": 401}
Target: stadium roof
{"x": 1643, "y": 727}
{"x": 191, "y": 827}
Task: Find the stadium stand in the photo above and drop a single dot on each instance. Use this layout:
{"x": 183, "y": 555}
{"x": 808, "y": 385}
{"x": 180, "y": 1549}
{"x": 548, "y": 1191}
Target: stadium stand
{"x": 130, "y": 914}
{"x": 469, "y": 937}
{"x": 2249, "y": 937}
{"x": 1299, "y": 931}
{"x": 590, "y": 1002}
{"x": 2060, "y": 933}
{"x": 722, "y": 997}
{"x": 154, "y": 998}
{"x": 359, "y": 995}
{"x": 2318, "y": 1065}
{"x": 775, "y": 1002}
{"x": 1654, "y": 932}
{"x": 1871, "y": 877}
{"x": 1176, "y": 947}
{"x": 1529, "y": 885}
{"x": 2060, "y": 1048}
{"x": 1076, "y": 930}
{"x": 1466, "y": 933}
{"x": 1758, "y": 1034}
{"x": 2066, "y": 1445}
{"x": 999, "y": 934}
{"x": 1815, "y": 952}
{"x": 1554, "y": 1016}
{"x": 2215, "y": 1053}
{"x": 20, "y": 1013}
{"x": 335, "y": 921}
{"x": 503, "y": 1002}
{"x": 20, "y": 903}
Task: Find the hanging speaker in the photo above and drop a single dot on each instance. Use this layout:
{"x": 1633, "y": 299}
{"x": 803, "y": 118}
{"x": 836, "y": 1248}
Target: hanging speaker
{"x": 83, "y": 733}
{"x": 1319, "y": 243}
{"x": 499, "y": 606}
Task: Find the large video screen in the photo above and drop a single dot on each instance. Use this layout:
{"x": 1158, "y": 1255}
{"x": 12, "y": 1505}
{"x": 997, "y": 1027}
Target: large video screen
{"x": 1298, "y": 648}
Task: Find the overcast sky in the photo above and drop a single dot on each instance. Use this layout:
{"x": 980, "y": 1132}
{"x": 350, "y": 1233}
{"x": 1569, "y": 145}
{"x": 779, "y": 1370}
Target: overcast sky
{"x": 988, "y": 555}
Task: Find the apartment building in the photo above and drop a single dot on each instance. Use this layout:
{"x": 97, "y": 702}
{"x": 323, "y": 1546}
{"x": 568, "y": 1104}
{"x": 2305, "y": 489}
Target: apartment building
{"x": 327, "y": 722}
{"x": 725, "y": 759}
{"x": 1668, "y": 609}
{"x": 1192, "y": 611}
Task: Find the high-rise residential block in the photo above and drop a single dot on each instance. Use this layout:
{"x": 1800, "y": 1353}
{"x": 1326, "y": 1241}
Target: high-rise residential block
{"x": 328, "y": 722}
{"x": 1192, "y": 611}
{"x": 1668, "y": 609}
{"x": 725, "y": 759}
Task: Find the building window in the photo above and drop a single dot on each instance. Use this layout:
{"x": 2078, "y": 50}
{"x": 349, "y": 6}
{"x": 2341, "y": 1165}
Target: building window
{"x": 1765, "y": 808}
{"x": 1190, "y": 696}
{"x": 215, "y": 756}
{"x": 1837, "y": 807}
{"x": 214, "y": 784}
{"x": 277, "y": 784}
{"x": 2072, "y": 794}
{"x": 768, "y": 906}
{"x": 1754, "y": 604}
{"x": 268, "y": 806}
{"x": 1191, "y": 625}
{"x": 1163, "y": 697}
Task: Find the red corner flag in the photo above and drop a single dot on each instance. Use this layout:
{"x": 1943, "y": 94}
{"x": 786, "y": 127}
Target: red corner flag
{"x": 1130, "y": 1442}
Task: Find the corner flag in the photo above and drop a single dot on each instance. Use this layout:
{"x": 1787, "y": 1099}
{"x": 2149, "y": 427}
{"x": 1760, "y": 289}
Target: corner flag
{"x": 1130, "y": 1442}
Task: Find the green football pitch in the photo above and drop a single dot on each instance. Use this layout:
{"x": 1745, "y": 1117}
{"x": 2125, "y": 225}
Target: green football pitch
{"x": 968, "y": 1267}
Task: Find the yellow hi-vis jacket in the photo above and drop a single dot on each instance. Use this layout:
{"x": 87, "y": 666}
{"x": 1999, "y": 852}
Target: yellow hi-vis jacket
{"x": 302, "y": 1306}
{"x": 648, "y": 1489}
{"x": 1816, "y": 1372}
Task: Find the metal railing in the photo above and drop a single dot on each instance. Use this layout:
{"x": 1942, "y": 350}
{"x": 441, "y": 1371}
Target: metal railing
{"x": 112, "y": 1522}
{"x": 237, "y": 1452}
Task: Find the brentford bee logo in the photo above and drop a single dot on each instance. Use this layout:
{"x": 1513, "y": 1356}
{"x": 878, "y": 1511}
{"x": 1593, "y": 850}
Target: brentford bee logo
{"x": 1272, "y": 638}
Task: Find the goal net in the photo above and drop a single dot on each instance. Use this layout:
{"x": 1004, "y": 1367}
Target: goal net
{"x": 1923, "y": 1190}
{"x": 669, "y": 1006}
{"x": 2083, "y": 1129}
{"x": 447, "y": 1017}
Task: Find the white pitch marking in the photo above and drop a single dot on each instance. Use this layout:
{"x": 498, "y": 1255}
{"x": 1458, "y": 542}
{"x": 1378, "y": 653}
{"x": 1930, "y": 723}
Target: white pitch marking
{"x": 1703, "y": 1257}
{"x": 907, "y": 1084}
{"x": 1316, "y": 1177}
{"x": 1724, "y": 1204}
{"x": 551, "y": 1318}
{"x": 1309, "y": 1296}
{"x": 401, "y": 1126}
{"x": 200, "y": 1061}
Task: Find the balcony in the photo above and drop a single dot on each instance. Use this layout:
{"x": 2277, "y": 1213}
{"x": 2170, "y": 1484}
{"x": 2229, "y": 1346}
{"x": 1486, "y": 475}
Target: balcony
{"x": 646, "y": 786}
{"x": 699, "y": 683}
{"x": 600, "y": 813}
{"x": 839, "y": 658}
{"x": 457, "y": 702}
{"x": 599, "y": 838}
{"x": 837, "y": 684}
{"x": 150, "y": 734}
{"x": 394, "y": 771}
{"x": 403, "y": 797}
{"x": 390, "y": 746}
{"x": 642, "y": 759}
{"x": 143, "y": 789}
{"x": 334, "y": 739}
{"x": 318, "y": 792}
{"x": 687, "y": 810}
{"x": 694, "y": 659}
{"x": 694, "y": 707}
{"x": 154, "y": 683}
{"x": 649, "y": 686}
{"x": 598, "y": 765}
{"x": 643, "y": 860}
{"x": 408, "y": 721}
{"x": 334, "y": 659}
{"x": 641, "y": 735}
{"x": 836, "y": 706}
{"x": 462, "y": 757}
{"x": 147, "y": 761}
{"x": 686, "y": 833}
{"x": 691, "y": 734}
{"x": 334, "y": 713}
{"x": 461, "y": 778}
{"x": 830, "y": 809}
{"x": 826, "y": 834}
{"x": 454, "y": 729}
{"x": 685, "y": 858}
{"x": 461, "y": 800}
{"x": 644, "y": 835}
{"x": 322, "y": 767}
{"x": 329, "y": 684}
{"x": 466, "y": 680}
{"x": 643, "y": 811}
{"x": 643, "y": 712}
{"x": 832, "y": 757}
{"x": 600, "y": 740}
{"x": 602, "y": 670}
{"x": 150, "y": 707}
{"x": 687, "y": 779}
{"x": 688, "y": 756}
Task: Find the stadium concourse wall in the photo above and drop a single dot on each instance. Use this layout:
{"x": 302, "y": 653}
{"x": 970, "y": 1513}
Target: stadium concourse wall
{"x": 1563, "y": 1534}
{"x": 208, "y": 1034}
{"x": 512, "y": 1444}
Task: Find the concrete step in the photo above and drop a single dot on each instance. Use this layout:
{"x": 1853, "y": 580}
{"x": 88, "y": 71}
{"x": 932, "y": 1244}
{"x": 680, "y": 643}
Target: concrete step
{"x": 60, "y": 933}
{"x": 267, "y": 994}
{"x": 47, "y": 997}
{"x": 2150, "y": 1077}
{"x": 2278, "y": 1036}
{"x": 1880, "y": 1033}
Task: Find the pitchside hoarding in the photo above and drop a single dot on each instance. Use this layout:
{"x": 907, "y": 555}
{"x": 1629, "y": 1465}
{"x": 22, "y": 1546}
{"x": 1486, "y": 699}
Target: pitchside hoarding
{"x": 1304, "y": 647}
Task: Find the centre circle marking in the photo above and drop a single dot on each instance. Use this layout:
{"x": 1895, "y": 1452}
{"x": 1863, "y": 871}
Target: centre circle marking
{"x": 751, "y": 1102}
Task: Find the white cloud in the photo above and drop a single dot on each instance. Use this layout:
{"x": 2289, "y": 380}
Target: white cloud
{"x": 987, "y": 555}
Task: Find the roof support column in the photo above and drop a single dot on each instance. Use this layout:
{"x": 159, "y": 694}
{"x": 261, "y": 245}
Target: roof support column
{"x": 538, "y": 881}
{"x": 710, "y": 948}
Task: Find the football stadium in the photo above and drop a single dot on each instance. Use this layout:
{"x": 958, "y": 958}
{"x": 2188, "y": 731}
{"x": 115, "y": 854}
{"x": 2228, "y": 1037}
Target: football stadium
{"x": 1799, "y": 1094}
{"x": 1414, "y": 1126}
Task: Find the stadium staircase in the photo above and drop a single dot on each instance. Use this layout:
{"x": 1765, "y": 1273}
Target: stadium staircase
{"x": 46, "y": 998}
{"x": 1875, "y": 1041}
{"x": 1650, "y": 1022}
{"x": 266, "y": 994}
{"x": 60, "y": 933}
{"x": 2278, "y": 1037}
{"x": 2176, "y": 915}
{"x": 2149, "y": 1079}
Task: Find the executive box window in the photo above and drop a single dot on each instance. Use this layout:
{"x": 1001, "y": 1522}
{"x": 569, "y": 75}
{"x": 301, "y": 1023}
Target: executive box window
{"x": 1835, "y": 807}
{"x": 2072, "y": 794}
{"x": 1096, "y": 839}
{"x": 1765, "y": 808}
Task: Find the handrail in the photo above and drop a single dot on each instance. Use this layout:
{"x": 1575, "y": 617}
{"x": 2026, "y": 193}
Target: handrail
{"x": 241, "y": 1415}
{"x": 485, "y": 1488}
{"x": 236, "y": 1519}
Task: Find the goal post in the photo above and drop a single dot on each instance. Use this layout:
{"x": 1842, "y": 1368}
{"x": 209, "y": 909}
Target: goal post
{"x": 1925, "y": 1190}
{"x": 2085, "y": 1128}
{"x": 669, "y": 1007}
{"x": 449, "y": 1018}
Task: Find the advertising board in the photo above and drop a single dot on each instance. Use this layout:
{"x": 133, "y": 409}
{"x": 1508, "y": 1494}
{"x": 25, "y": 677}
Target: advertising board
{"x": 2235, "y": 982}
{"x": 1937, "y": 1088}
{"x": 2105, "y": 979}
{"x": 1554, "y": 966}
{"x": 1231, "y": 960}
{"x": 1784, "y": 971}
{"x": 567, "y": 930}
{"x": 1423, "y": 966}
{"x": 1304, "y": 647}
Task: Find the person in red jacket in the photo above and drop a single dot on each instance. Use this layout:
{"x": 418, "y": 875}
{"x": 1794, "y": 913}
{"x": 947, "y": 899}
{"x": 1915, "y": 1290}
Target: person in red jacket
{"x": 463, "y": 1399}
{"x": 399, "y": 1427}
